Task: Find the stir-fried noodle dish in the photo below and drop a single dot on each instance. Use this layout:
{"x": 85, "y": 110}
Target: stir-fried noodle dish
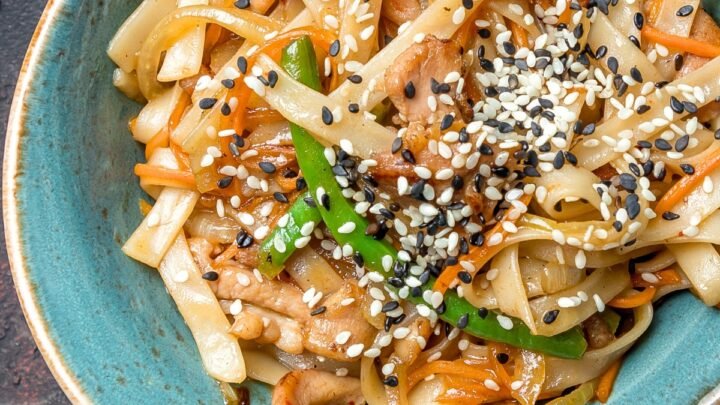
{"x": 415, "y": 202}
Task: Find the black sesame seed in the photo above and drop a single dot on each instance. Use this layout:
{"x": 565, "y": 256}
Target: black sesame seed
{"x": 465, "y": 277}
{"x": 687, "y": 169}
{"x": 670, "y": 216}
{"x": 635, "y": 169}
{"x": 676, "y": 105}
{"x": 457, "y": 182}
{"x": 353, "y": 108}
{"x": 578, "y": 31}
{"x": 684, "y": 11}
{"x": 225, "y": 181}
{"x": 334, "y": 48}
{"x": 228, "y": 83}
{"x": 617, "y": 225}
{"x": 531, "y": 171}
{"x": 628, "y": 182}
{"x": 446, "y": 122}
{"x": 409, "y": 90}
{"x": 484, "y": 33}
{"x": 643, "y": 109}
{"x": 601, "y": 52}
{"x": 463, "y": 321}
{"x": 280, "y": 197}
{"x": 317, "y": 311}
{"x": 408, "y": 156}
{"x": 690, "y": 107}
{"x": 682, "y": 143}
{"x": 483, "y": 312}
{"x": 391, "y": 381}
{"x": 509, "y": 48}
{"x": 638, "y": 20}
{"x": 477, "y": 239}
{"x": 588, "y": 129}
{"x": 355, "y": 79}
{"x": 612, "y": 64}
{"x": 468, "y": 4}
{"x": 632, "y": 206}
{"x": 267, "y": 167}
{"x": 325, "y": 201}
{"x": 207, "y": 103}
{"x": 717, "y": 134}
{"x": 636, "y": 75}
{"x": 310, "y": 202}
{"x": 634, "y": 40}
{"x": 396, "y": 145}
{"x": 644, "y": 144}
{"x": 678, "y": 60}
{"x": 487, "y": 65}
{"x": 300, "y": 184}
{"x": 243, "y": 239}
{"x": 327, "y": 116}
{"x": 662, "y": 144}
{"x": 210, "y": 275}
{"x": 242, "y": 64}
{"x": 550, "y": 316}
{"x": 390, "y": 306}
{"x": 272, "y": 78}
{"x": 225, "y": 109}
{"x": 242, "y": 4}
{"x": 559, "y": 160}
{"x": 502, "y": 358}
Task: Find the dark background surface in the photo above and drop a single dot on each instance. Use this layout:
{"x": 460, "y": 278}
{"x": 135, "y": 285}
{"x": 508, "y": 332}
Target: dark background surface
{"x": 24, "y": 377}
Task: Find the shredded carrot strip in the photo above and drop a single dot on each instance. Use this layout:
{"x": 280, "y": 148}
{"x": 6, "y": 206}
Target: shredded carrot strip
{"x": 665, "y": 277}
{"x": 161, "y": 139}
{"x": 259, "y": 116}
{"x": 635, "y": 300}
{"x": 144, "y": 206}
{"x": 606, "y": 382}
{"x": 687, "y": 184}
{"x": 519, "y": 35}
{"x": 690, "y": 45}
{"x": 177, "y": 177}
{"x": 457, "y": 367}
{"x": 226, "y": 255}
{"x": 478, "y": 255}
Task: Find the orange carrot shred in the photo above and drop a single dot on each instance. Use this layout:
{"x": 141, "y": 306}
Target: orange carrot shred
{"x": 478, "y": 255}
{"x": 606, "y": 381}
{"x": 176, "y": 177}
{"x": 635, "y": 300}
{"x": 457, "y": 367}
{"x": 519, "y": 35}
{"x": 689, "y": 183}
{"x": 690, "y": 45}
{"x": 665, "y": 277}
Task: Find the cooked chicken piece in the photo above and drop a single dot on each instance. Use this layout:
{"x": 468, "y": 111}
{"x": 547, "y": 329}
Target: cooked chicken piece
{"x": 409, "y": 80}
{"x": 247, "y": 326}
{"x": 306, "y": 387}
{"x": 321, "y": 330}
{"x": 401, "y": 11}
{"x": 292, "y": 315}
{"x": 236, "y": 282}
{"x": 283, "y": 332}
{"x": 704, "y": 29}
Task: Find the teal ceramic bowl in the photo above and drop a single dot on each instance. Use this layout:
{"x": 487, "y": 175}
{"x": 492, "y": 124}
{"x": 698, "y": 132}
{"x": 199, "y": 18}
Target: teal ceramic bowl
{"x": 104, "y": 323}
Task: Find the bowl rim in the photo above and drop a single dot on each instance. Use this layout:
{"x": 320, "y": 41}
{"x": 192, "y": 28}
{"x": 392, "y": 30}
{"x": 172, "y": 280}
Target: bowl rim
{"x": 39, "y": 328}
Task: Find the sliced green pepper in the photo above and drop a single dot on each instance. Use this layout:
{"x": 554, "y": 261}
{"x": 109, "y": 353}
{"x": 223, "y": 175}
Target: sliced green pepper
{"x": 271, "y": 260}
{"x": 299, "y": 61}
{"x": 712, "y": 7}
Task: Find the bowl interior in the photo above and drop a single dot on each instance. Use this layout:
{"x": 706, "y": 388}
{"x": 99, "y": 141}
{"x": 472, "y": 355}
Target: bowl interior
{"x": 116, "y": 329}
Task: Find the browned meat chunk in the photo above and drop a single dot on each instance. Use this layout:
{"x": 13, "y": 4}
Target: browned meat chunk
{"x": 306, "y": 387}
{"x": 409, "y": 81}
{"x": 597, "y": 332}
{"x": 400, "y": 11}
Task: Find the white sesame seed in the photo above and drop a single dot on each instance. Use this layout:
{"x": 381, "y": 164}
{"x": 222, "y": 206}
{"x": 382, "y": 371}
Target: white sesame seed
{"x": 401, "y": 333}
{"x": 355, "y": 350}
{"x": 261, "y": 232}
{"x": 366, "y": 33}
{"x": 516, "y": 385}
{"x": 492, "y": 274}
{"x": 505, "y": 322}
{"x": 331, "y": 21}
{"x": 599, "y": 303}
{"x": 236, "y": 307}
{"x": 458, "y": 16}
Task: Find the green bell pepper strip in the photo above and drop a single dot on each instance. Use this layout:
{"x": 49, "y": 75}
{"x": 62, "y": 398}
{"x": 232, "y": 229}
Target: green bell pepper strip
{"x": 271, "y": 260}
{"x": 298, "y": 59}
{"x": 712, "y": 7}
